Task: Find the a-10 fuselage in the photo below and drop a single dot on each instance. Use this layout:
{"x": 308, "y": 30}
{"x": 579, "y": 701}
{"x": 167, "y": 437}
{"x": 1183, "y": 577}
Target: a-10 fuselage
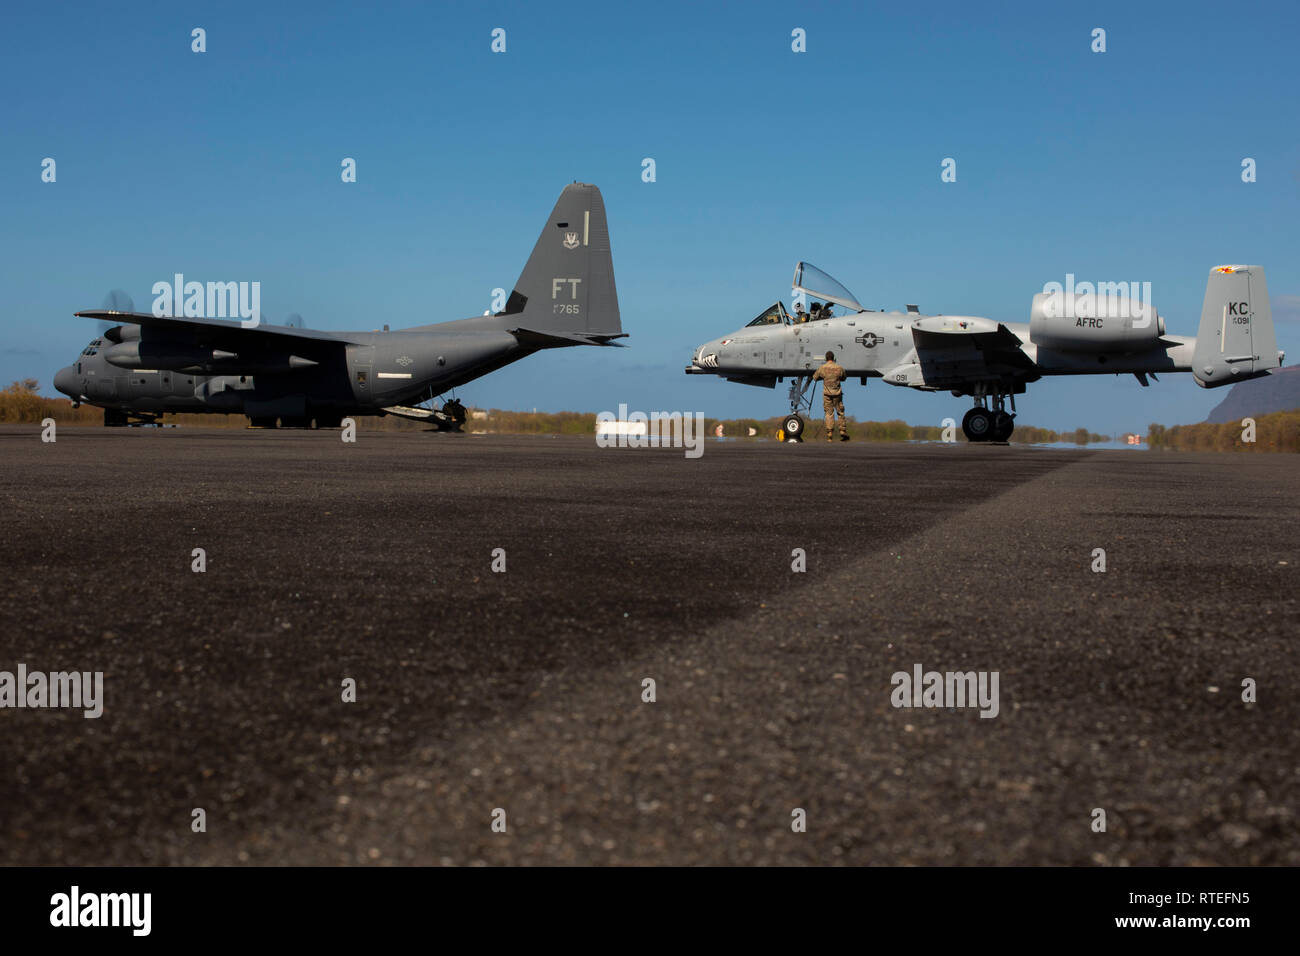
{"x": 882, "y": 345}
{"x": 1072, "y": 332}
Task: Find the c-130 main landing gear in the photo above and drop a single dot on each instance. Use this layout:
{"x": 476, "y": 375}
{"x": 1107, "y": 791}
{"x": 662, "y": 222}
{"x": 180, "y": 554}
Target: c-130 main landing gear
{"x": 985, "y": 423}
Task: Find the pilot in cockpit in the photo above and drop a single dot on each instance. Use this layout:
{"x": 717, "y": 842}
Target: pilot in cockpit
{"x": 800, "y": 315}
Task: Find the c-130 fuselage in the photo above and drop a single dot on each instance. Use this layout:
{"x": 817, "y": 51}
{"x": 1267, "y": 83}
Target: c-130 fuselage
{"x": 147, "y": 365}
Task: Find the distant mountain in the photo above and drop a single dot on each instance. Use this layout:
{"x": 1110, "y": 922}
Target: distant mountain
{"x": 1279, "y": 391}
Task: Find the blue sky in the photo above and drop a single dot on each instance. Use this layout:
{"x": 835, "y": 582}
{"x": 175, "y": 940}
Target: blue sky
{"x": 1123, "y": 165}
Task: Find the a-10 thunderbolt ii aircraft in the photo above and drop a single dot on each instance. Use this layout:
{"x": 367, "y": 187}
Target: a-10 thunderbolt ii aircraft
{"x": 992, "y": 361}
{"x": 147, "y": 365}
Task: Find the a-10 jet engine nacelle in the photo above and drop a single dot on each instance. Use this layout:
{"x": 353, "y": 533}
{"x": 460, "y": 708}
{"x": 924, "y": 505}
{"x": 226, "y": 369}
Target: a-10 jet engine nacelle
{"x": 1073, "y": 322}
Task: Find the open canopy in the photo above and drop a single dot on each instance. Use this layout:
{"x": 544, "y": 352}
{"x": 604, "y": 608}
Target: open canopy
{"x": 812, "y": 281}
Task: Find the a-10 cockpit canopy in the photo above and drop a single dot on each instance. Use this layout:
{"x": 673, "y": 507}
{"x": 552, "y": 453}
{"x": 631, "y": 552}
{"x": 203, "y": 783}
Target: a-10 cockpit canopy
{"x": 810, "y": 280}
{"x": 774, "y": 315}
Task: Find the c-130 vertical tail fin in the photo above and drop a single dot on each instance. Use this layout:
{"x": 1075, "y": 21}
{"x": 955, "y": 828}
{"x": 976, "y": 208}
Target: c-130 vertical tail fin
{"x": 566, "y": 294}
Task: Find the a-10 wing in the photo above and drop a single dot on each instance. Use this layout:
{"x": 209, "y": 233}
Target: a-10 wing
{"x": 956, "y": 350}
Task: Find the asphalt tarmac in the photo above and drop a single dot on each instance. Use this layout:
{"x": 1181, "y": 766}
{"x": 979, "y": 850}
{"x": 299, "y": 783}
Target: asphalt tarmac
{"x": 522, "y": 691}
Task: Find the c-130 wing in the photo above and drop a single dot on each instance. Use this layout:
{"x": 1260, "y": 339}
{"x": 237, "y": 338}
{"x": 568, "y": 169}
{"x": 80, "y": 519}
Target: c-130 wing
{"x": 216, "y": 332}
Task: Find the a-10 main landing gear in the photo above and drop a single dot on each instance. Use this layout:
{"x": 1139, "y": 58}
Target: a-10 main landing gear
{"x": 994, "y": 424}
{"x": 801, "y": 390}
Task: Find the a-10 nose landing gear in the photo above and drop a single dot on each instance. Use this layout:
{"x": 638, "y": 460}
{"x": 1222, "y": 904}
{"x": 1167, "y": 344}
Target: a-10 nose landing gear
{"x": 801, "y": 392}
{"x": 994, "y": 424}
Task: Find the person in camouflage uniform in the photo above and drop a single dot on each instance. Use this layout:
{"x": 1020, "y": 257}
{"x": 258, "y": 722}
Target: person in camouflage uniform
{"x": 832, "y": 378}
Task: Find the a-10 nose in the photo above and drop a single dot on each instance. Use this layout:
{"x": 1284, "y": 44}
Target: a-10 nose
{"x": 706, "y": 356}
{"x": 65, "y": 380}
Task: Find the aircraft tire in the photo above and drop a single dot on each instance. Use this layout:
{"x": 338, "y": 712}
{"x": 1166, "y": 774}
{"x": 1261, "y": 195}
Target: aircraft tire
{"x": 977, "y": 425}
{"x": 793, "y": 428}
{"x": 1003, "y": 426}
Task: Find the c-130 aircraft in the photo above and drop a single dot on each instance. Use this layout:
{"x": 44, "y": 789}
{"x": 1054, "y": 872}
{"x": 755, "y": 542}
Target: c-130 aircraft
{"x": 991, "y": 361}
{"x": 147, "y": 365}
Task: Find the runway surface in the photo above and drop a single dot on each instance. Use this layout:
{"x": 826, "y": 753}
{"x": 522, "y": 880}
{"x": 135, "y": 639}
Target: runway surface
{"x": 523, "y": 690}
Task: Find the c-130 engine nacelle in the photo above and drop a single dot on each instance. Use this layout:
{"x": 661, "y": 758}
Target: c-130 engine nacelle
{"x": 1075, "y": 322}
